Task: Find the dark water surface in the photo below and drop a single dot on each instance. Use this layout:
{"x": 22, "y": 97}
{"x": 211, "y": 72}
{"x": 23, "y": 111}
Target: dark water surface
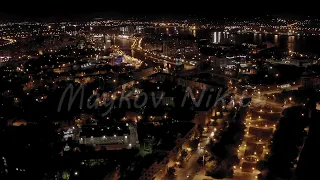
{"x": 301, "y": 44}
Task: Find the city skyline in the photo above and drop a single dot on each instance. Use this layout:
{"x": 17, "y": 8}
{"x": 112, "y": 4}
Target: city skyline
{"x": 159, "y": 92}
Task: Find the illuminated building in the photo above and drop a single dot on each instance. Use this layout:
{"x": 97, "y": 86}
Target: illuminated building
{"x": 119, "y": 136}
{"x": 158, "y": 170}
{"x": 114, "y": 59}
{"x": 178, "y": 61}
{"x": 164, "y": 49}
{"x": 310, "y": 81}
{"x": 139, "y": 29}
{"x": 81, "y": 44}
{"x": 124, "y": 29}
{"x": 101, "y": 41}
{"x": 118, "y": 60}
{"x": 107, "y": 41}
{"x": 218, "y": 62}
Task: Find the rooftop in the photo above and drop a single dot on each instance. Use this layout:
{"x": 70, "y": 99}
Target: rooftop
{"x": 99, "y": 130}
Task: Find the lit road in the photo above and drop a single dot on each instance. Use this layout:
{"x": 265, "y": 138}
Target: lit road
{"x": 261, "y": 120}
{"x": 263, "y": 116}
{"x": 274, "y": 91}
{"x": 261, "y": 101}
{"x": 137, "y": 46}
{"x": 190, "y": 169}
{"x": 237, "y": 176}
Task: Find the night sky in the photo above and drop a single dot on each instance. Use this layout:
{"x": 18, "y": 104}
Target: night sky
{"x": 208, "y": 9}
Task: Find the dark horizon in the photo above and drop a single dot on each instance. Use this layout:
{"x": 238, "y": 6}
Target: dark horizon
{"x": 179, "y": 12}
{"x": 122, "y": 16}
{"x": 162, "y": 90}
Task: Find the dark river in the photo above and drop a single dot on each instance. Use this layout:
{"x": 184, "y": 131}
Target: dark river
{"x": 301, "y": 44}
